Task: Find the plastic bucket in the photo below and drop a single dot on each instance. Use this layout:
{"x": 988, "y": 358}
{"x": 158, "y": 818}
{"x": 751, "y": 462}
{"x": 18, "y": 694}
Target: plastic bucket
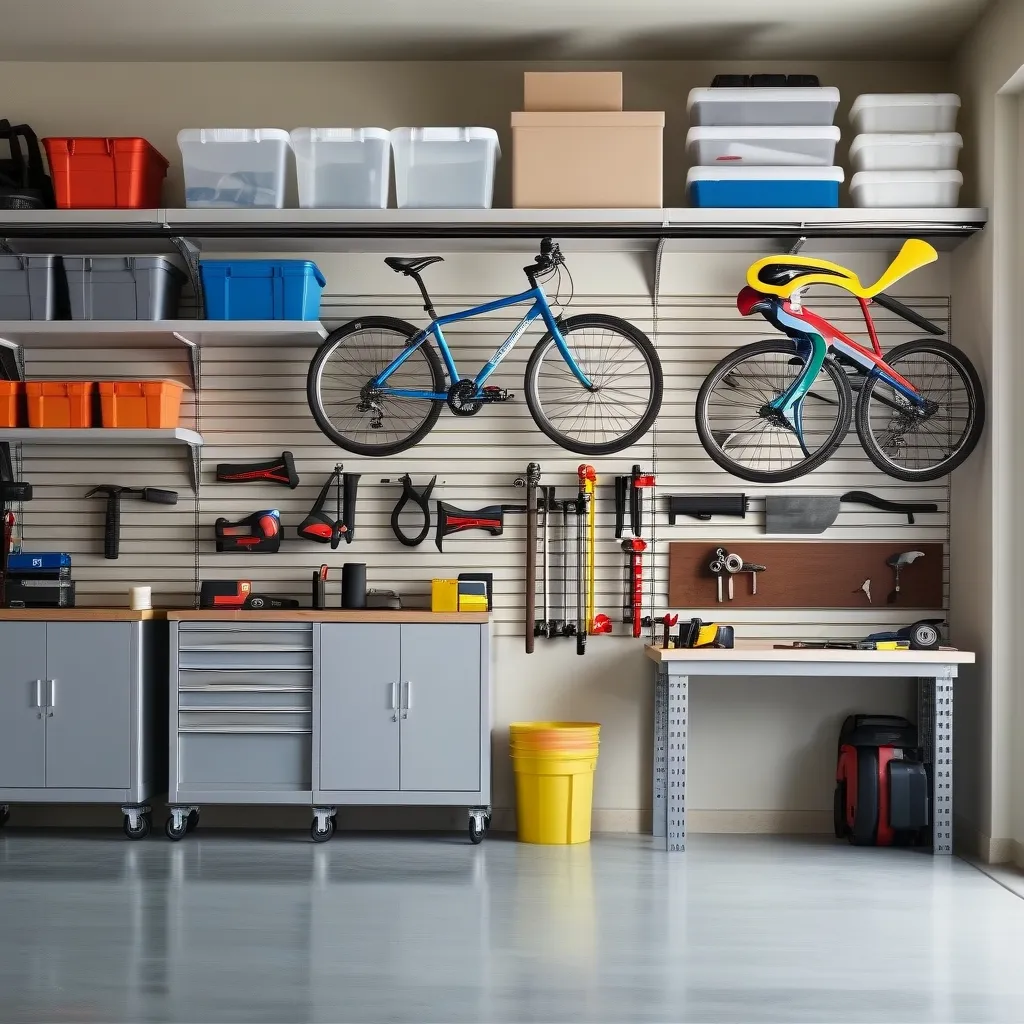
{"x": 554, "y": 765}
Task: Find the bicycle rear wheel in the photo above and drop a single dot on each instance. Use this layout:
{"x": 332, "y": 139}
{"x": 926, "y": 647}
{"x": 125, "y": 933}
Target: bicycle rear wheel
{"x": 743, "y": 436}
{"x": 624, "y": 368}
{"x": 912, "y": 447}
{"x": 357, "y": 418}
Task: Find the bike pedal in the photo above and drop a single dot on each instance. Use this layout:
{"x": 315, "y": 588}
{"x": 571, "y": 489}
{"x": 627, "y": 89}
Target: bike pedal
{"x": 495, "y": 394}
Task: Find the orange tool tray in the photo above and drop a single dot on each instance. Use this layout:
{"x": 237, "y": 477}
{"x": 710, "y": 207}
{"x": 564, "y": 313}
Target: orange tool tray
{"x": 57, "y": 404}
{"x": 140, "y": 403}
{"x": 11, "y": 395}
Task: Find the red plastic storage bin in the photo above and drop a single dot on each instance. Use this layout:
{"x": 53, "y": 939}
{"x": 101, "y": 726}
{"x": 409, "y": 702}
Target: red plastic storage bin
{"x": 105, "y": 174}
{"x": 140, "y": 403}
{"x": 58, "y": 404}
{"x": 11, "y": 392}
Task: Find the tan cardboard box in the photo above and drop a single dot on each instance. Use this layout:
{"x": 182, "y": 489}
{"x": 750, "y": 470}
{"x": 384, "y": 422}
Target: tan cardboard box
{"x": 572, "y": 90}
{"x": 587, "y": 160}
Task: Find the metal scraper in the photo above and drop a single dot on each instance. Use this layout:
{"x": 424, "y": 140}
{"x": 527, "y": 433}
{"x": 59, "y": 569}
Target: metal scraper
{"x": 802, "y": 513}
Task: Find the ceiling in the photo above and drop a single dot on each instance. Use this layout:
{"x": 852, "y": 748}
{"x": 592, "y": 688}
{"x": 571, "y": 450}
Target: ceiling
{"x": 119, "y": 30}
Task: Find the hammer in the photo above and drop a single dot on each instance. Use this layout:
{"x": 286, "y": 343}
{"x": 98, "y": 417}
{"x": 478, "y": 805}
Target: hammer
{"x": 112, "y": 526}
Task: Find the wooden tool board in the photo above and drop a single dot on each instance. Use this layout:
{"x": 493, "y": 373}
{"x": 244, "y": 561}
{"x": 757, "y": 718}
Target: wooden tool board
{"x": 806, "y": 574}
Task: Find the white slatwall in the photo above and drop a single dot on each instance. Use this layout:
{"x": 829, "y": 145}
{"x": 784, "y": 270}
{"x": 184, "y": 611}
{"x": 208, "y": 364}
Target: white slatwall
{"x": 253, "y": 405}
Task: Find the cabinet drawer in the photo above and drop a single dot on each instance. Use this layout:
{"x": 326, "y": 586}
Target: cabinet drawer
{"x": 283, "y": 760}
{"x": 245, "y": 699}
{"x": 221, "y": 635}
{"x": 245, "y": 721}
{"x": 251, "y": 657}
{"x": 229, "y": 679}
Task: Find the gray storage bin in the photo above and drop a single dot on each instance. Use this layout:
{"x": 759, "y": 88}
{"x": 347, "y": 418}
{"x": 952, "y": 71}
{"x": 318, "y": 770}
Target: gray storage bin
{"x": 28, "y": 287}
{"x": 124, "y": 287}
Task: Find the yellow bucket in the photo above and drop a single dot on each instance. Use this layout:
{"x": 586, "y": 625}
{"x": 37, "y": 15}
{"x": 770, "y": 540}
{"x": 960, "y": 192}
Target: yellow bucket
{"x": 554, "y": 787}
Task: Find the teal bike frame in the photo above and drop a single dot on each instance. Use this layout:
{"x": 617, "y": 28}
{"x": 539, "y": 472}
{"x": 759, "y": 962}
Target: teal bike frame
{"x": 539, "y": 310}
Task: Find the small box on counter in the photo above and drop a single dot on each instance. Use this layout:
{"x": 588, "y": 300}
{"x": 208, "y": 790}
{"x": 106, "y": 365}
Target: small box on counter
{"x": 572, "y": 90}
{"x": 461, "y": 595}
{"x": 39, "y": 592}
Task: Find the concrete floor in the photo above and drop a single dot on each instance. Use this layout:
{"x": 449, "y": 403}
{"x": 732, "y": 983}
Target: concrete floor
{"x": 243, "y": 927}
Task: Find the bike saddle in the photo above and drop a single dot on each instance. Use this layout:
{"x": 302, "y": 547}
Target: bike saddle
{"x": 783, "y": 275}
{"x": 411, "y": 264}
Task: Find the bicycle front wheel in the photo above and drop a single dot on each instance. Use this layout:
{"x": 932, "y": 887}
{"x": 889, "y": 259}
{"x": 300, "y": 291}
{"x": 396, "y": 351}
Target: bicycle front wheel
{"x": 914, "y": 447}
{"x": 746, "y": 438}
{"x": 358, "y": 418}
{"x": 624, "y": 369}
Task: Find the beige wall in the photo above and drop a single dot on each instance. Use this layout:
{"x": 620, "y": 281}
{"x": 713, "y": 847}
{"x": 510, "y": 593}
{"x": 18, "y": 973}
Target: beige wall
{"x": 156, "y": 100}
{"x": 762, "y": 751}
{"x": 986, "y": 554}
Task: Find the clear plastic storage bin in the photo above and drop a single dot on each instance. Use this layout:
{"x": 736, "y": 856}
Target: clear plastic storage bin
{"x": 906, "y": 152}
{"x": 770, "y": 146}
{"x": 342, "y": 168}
{"x": 757, "y": 106}
{"x": 906, "y": 189}
{"x": 445, "y": 168}
{"x": 905, "y": 112}
{"x": 235, "y": 167}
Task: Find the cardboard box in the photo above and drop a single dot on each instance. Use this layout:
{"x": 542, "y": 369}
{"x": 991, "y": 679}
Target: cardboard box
{"x": 595, "y": 160}
{"x": 572, "y": 90}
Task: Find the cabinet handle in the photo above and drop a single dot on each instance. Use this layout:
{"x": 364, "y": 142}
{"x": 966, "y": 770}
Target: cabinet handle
{"x": 394, "y": 701}
{"x": 407, "y": 703}
{"x": 52, "y": 703}
{"x": 39, "y": 696}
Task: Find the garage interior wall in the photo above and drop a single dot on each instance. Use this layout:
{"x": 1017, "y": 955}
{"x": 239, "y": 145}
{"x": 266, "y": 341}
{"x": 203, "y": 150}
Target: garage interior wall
{"x": 763, "y": 755}
{"x": 986, "y": 553}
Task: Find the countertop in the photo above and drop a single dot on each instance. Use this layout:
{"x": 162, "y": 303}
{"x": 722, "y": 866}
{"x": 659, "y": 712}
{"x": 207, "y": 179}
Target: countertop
{"x": 78, "y": 615}
{"x": 804, "y": 656}
{"x": 326, "y": 615}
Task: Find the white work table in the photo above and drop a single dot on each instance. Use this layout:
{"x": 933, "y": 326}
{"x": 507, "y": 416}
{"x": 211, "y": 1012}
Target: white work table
{"x": 933, "y": 670}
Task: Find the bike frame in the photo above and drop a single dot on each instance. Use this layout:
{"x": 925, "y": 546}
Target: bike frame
{"x": 814, "y": 338}
{"x": 538, "y": 310}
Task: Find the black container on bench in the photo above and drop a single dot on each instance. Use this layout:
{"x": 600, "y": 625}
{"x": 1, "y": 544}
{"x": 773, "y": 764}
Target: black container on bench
{"x": 124, "y": 287}
{"x": 24, "y": 183}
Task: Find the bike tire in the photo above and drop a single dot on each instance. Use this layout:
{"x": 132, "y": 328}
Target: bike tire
{"x": 314, "y": 381}
{"x": 633, "y": 335}
{"x": 975, "y": 397}
{"x": 808, "y": 465}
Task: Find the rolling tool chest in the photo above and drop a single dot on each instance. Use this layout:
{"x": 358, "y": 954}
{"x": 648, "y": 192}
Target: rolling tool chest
{"x": 326, "y": 708}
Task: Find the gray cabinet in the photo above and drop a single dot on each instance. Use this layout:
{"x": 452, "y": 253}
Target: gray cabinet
{"x": 404, "y": 714}
{"x": 80, "y": 709}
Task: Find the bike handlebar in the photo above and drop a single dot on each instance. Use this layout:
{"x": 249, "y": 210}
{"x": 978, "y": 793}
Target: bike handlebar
{"x": 550, "y": 256}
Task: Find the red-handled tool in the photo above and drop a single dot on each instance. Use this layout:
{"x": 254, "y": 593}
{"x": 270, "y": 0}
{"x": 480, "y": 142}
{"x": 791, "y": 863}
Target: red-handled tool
{"x": 668, "y": 622}
{"x": 634, "y": 548}
{"x": 456, "y": 520}
{"x": 260, "y": 532}
{"x": 276, "y": 471}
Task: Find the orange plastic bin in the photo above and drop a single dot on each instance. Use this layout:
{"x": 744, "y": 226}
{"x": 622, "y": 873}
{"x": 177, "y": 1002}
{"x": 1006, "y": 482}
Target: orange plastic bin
{"x": 140, "y": 403}
{"x": 58, "y": 404}
{"x": 11, "y": 392}
{"x": 105, "y": 174}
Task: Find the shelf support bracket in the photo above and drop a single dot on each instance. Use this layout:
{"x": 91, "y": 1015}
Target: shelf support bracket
{"x": 194, "y": 457}
{"x": 189, "y": 252}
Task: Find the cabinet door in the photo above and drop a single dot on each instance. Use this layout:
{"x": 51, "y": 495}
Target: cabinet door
{"x": 441, "y": 717}
{"x": 22, "y": 730}
{"x": 88, "y": 725}
{"x": 358, "y": 732}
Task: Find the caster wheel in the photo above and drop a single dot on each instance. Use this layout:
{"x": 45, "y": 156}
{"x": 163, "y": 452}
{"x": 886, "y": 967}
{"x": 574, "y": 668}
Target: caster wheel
{"x": 143, "y": 829}
{"x": 192, "y": 821}
{"x": 476, "y": 835}
{"x": 172, "y": 833}
{"x": 322, "y": 836}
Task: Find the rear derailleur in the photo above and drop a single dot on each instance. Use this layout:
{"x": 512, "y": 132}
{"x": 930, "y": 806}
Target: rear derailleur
{"x": 465, "y": 400}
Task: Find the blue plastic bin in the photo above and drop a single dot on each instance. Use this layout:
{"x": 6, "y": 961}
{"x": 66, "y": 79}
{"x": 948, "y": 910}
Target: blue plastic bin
{"x": 750, "y": 187}
{"x": 262, "y": 289}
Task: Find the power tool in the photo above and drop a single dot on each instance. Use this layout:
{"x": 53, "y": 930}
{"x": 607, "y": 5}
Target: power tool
{"x": 259, "y": 533}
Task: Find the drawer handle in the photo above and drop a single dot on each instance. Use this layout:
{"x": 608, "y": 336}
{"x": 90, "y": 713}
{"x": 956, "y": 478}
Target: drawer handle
{"x": 244, "y": 730}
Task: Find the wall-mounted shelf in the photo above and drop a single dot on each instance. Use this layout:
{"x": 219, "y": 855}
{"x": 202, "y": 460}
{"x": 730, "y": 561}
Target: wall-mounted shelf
{"x": 104, "y": 436}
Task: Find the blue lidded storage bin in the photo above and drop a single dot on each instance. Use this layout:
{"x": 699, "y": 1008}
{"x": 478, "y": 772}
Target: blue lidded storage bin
{"x": 262, "y": 289}
{"x": 750, "y": 187}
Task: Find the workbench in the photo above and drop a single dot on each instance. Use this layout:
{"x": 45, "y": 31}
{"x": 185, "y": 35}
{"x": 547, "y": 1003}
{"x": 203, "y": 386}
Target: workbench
{"x": 933, "y": 670}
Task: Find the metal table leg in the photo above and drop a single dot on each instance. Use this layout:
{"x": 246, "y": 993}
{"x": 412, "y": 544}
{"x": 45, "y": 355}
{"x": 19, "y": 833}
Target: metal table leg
{"x": 660, "y": 804}
{"x": 675, "y": 762}
{"x": 935, "y": 728}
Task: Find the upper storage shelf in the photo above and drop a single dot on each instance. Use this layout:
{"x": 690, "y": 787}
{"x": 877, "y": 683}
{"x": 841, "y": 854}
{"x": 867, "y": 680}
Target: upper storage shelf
{"x": 239, "y": 230}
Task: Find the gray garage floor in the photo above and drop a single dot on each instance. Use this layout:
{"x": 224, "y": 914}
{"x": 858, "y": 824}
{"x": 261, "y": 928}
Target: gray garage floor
{"x": 242, "y": 927}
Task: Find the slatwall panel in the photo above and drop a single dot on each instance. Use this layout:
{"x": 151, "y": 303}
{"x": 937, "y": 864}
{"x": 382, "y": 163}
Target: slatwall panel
{"x": 253, "y": 405}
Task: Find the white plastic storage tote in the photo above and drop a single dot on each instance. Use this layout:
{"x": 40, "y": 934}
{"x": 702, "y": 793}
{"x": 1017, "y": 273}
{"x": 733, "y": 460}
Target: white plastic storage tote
{"x": 881, "y": 113}
{"x": 445, "y": 168}
{"x": 906, "y": 152}
{"x": 906, "y": 189}
{"x": 235, "y": 167}
{"x": 342, "y": 168}
{"x": 757, "y": 106}
{"x": 765, "y": 146}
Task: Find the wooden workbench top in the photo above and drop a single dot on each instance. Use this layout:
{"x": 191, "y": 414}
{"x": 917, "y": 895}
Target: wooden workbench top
{"x": 803, "y": 655}
{"x": 78, "y": 615}
{"x": 327, "y": 615}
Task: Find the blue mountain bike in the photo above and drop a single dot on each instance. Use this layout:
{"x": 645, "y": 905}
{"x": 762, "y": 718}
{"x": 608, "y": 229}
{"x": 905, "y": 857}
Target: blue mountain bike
{"x": 593, "y": 383}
